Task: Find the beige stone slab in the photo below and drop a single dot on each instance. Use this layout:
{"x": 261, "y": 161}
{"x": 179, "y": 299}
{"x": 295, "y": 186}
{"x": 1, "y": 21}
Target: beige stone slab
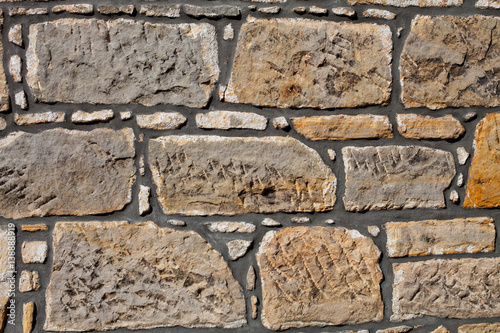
{"x": 34, "y": 227}
{"x": 80, "y": 8}
{"x": 149, "y": 71}
{"x": 479, "y": 328}
{"x": 461, "y": 235}
{"x": 82, "y": 117}
{"x": 24, "y": 119}
{"x": 317, "y": 276}
{"x": 284, "y": 63}
{"x": 213, "y": 175}
{"x": 4, "y": 88}
{"x": 451, "y": 61}
{"x": 28, "y": 317}
{"x": 343, "y": 127}
{"x": 415, "y": 126}
{"x": 161, "y": 120}
{"x": 459, "y": 288}
{"x": 408, "y": 3}
{"x": 168, "y": 278}
{"x": 231, "y": 119}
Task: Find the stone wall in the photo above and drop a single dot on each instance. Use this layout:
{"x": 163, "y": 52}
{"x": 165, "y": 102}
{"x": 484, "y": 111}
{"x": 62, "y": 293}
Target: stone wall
{"x": 246, "y": 166}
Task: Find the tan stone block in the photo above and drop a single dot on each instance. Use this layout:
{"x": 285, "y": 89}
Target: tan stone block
{"x": 82, "y": 117}
{"x": 24, "y": 119}
{"x": 29, "y": 281}
{"x": 343, "y": 127}
{"x": 284, "y": 63}
{"x": 414, "y": 126}
{"x": 161, "y": 120}
{"x": 34, "y": 227}
{"x": 230, "y": 119}
{"x": 316, "y": 276}
{"x": 467, "y": 235}
{"x": 34, "y": 252}
{"x": 408, "y": 3}
{"x": 480, "y": 328}
{"x": 484, "y": 174}
{"x": 28, "y": 317}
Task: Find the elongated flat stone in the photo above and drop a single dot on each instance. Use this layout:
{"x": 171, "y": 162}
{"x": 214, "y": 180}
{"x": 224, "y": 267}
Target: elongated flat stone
{"x": 169, "y": 278}
{"x": 484, "y": 174}
{"x": 295, "y": 63}
{"x": 396, "y": 177}
{"x": 451, "y": 61}
{"x": 469, "y": 235}
{"x": 207, "y": 175}
{"x": 212, "y": 11}
{"x": 319, "y": 276}
{"x": 343, "y": 127}
{"x": 463, "y": 288}
{"x": 415, "y": 126}
{"x": 479, "y": 328}
{"x": 231, "y": 119}
{"x": 408, "y": 3}
{"x": 63, "y": 172}
{"x": 4, "y": 88}
{"x": 6, "y": 265}
{"x": 485, "y": 4}
{"x": 122, "y": 61}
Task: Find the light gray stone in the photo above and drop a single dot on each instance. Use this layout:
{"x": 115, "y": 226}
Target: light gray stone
{"x": 161, "y": 120}
{"x": 238, "y": 248}
{"x": 29, "y": 281}
{"x": 228, "y": 32}
{"x": 396, "y": 177}
{"x": 152, "y": 72}
{"x": 144, "y": 194}
{"x": 144, "y": 291}
{"x": 231, "y": 119}
{"x": 82, "y": 117}
{"x": 270, "y": 10}
{"x": 315, "y": 10}
{"x": 212, "y": 11}
{"x": 170, "y": 11}
{"x": 301, "y": 219}
{"x": 16, "y": 34}
{"x": 38, "y": 118}
{"x": 63, "y": 172}
{"x": 15, "y": 68}
{"x": 379, "y": 13}
{"x": 125, "y": 115}
{"x": 231, "y": 227}
{"x": 23, "y": 11}
{"x": 178, "y": 223}
{"x": 462, "y": 155}
{"x": 344, "y": 11}
{"x": 21, "y": 100}
{"x": 270, "y": 222}
{"x": 34, "y": 252}
{"x": 281, "y": 123}
{"x": 74, "y": 9}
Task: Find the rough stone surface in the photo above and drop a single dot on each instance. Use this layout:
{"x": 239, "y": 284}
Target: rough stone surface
{"x": 254, "y": 301}
{"x": 5, "y": 267}
{"x": 155, "y": 71}
{"x": 22, "y": 119}
{"x": 281, "y": 123}
{"x": 63, "y": 172}
{"x": 144, "y": 194}
{"x": 484, "y": 4}
{"x": 212, "y": 11}
{"x": 251, "y": 278}
{"x": 460, "y": 288}
{"x": 22, "y": 11}
{"x": 170, "y": 278}
{"x": 463, "y": 235}
{"x": 460, "y": 180}
{"x": 454, "y": 197}
{"x": 441, "y": 329}
{"x": 270, "y": 10}
{"x": 484, "y": 173}
{"x": 396, "y": 177}
{"x": 331, "y": 154}
{"x": 231, "y": 227}
{"x": 207, "y": 175}
{"x": 82, "y": 117}
{"x": 480, "y": 328}
{"x": 29, "y": 281}
{"x": 462, "y": 155}
{"x": 415, "y": 126}
{"x": 34, "y": 227}
{"x": 300, "y": 10}
{"x": 451, "y": 61}
{"x": 319, "y": 276}
{"x": 228, "y": 32}
{"x": 379, "y": 13}
{"x": 315, "y": 10}
{"x": 21, "y": 100}
{"x": 230, "y": 119}
{"x": 16, "y": 34}
{"x": 161, "y": 120}
{"x": 3, "y": 124}
{"x": 268, "y": 222}
{"x": 125, "y": 115}
{"x": 373, "y": 230}
{"x": 28, "y": 317}
{"x": 344, "y": 11}
{"x": 34, "y": 252}
{"x": 74, "y": 9}
{"x": 343, "y": 127}
{"x": 469, "y": 116}
{"x": 170, "y": 11}
{"x": 238, "y": 248}
{"x": 4, "y": 88}
{"x": 15, "y": 68}
{"x": 109, "y": 10}
{"x": 408, "y": 3}
{"x": 398, "y": 329}
{"x": 301, "y": 219}
{"x": 176, "y": 222}
{"x": 300, "y": 71}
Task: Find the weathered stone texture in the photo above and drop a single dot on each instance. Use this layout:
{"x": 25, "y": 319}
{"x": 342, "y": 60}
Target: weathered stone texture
{"x": 484, "y": 4}
{"x": 379, "y": 13}
{"x": 231, "y": 227}
{"x": 415, "y": 126}
{"x": 251, "y": 278}
{"x": 144, "y": 205}
{"x": 74, "y": 9}
{"x": 29, "y": 281}
{"x": 22, "y": 119}
{"x": 451, "y": 61}
{"x": 463, "y": 288}
{"x": 303, "y": 63}
{"x": 270, "y": 10}
{"x": 34, "y": 227}
{"x": 238, "y": 248}
{"x": 82, "y": 117}
{"x": 5, "y": 267}
{"x": 4, "y": 88}
{"x": 462, "y": 155}
{"x": 396, "y": 177}
{"x": 34, "y": 252}
{"x": 319, "y": 276}
{"x": 343, "y": 127}
{"x": 63, "y": 172}
{"x": 16, "y": 34}
{"x": 207, "y": 175}
{"x": 169, "y": 278}
{"x": 212, "y": 11}
{"x": 480, "y": 328}
{"x": 170, "y": 11}
{"x": 468, "y": 235}
{"x": 344, "y": 11}
{"x": 15, "y": 64}
{"x": 231, "y": 119}
{"x": 441, "y": 329}
{"x": 28, "y": 317}
{"x": 122, "y": 61}
{"x": 21, "y": 100}
{"x": 22, "y": 11}
{"x": 397, "y": 329}
{"x": 484, "y": 174}
{"x": 408, "y": 3}
{"x": 161, "y": 120}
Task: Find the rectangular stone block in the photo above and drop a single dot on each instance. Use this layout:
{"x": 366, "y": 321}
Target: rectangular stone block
{"x": 396, "y": 177}
{"x": 296, "y": 63}
{"x": 480, "y": 328}
{"x": 208, "y": 175}
{"x": 451, "y": 61}
{"x": 468, "y": 235}
{"x": 408, "y": 3}
{"x": 122, "y": 61}
{"x": 343, "y": 127}
{"x": 460, "y": 288}
{"x": 415, "y": 126}
{"x": 63, "y": 172}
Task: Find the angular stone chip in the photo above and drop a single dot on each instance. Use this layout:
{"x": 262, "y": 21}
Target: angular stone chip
{"x": 208, "y": 175}
{"x": 396, "y": 177}
{"x": 122, "y": 61}
{"x": 459, "y": 288}
{"x": 451, "y": 61}
{"x": 64, "y": 172}
{"x": 468, "y": 235}
{"x": 484, "y": 174}
{"x": 297, "y": 63}
{"x": 109, "y": 275}
{"x": 319, "y": 276}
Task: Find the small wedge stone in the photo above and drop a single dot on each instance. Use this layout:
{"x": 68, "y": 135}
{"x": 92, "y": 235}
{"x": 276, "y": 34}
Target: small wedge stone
{"x": 238, "y": 248}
